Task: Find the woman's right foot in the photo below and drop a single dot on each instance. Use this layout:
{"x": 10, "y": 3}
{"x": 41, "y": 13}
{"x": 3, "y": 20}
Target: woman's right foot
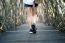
{"x": 33, "y": 29}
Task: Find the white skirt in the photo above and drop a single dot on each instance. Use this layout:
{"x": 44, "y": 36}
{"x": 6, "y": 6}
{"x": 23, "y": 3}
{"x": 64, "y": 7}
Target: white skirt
{"x": 29, "y": 2}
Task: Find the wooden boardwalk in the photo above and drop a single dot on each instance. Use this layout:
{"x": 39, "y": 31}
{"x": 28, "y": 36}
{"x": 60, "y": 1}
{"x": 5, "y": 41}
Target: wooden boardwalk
{"x": 45, "y": 34}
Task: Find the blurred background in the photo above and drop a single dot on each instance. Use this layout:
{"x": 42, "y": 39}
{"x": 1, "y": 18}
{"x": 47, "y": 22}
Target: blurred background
{"x": 50, "y": 12}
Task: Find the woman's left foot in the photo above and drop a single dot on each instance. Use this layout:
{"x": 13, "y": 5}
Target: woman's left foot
{"x": 31, "y": 31}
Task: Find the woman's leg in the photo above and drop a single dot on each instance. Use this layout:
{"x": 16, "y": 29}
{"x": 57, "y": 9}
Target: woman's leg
{"x": 30, "y": 14}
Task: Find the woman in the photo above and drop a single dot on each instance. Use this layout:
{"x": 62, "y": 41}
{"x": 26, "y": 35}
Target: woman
{"x": 29, "y": 4}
